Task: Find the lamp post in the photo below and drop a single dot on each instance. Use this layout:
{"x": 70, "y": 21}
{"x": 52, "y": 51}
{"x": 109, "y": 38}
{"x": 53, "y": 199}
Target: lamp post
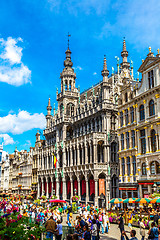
{"x": 54, "y": 191}
{"x": 75, "y": 191}
{"x": 155, "y": 187}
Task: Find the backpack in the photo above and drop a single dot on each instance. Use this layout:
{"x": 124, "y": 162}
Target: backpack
{"x": 151, "y": 235}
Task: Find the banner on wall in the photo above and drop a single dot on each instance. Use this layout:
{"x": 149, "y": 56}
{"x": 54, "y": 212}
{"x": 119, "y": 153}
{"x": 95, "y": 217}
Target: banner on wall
{"x": 92, "y": 186}
{"x": 101, "y": 187}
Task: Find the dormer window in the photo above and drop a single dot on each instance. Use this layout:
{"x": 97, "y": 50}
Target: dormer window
{"x": 150, "y": 79}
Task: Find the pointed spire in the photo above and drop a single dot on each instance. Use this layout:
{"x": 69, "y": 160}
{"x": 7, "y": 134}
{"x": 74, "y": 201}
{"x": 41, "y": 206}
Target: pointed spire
{"x": 67, "y": 61}
{"x": 105, "y": 72}
{"x": 124, "y": 54}
{"x": 49, "y": 108}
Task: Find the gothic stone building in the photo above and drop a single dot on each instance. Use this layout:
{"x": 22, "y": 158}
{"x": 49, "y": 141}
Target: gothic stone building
{"x": 82, "y": 135}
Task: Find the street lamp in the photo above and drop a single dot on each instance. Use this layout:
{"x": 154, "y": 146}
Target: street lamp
{"x": 155, "y": 187}
{"x": 53, "y": 191}
{"x": 75, "y": 191}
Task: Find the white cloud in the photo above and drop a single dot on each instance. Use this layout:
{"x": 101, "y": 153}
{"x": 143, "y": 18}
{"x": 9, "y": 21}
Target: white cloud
{"x": 78, "y": 68}
{"x": 6, "y": 139}
{"x": 22, "y": 122}
{"x": 94, "y": 73}
{"x": 12, "y": 69}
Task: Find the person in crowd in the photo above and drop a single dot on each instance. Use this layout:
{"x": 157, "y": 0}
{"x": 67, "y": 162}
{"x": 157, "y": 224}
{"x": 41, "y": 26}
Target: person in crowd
{"x": 132, "y": 234}
{"x": 121, "y": 226}
{"x": 101, "y": 221}
{"x": 86, "y": 233}
{"x": 142, "y": 228}
{"x": 50, "y": 226}
{"x": 130, "y": 219}
{"x": 59, "y": 230}
{"x": 153, "y": 232}
{"x": 94, "y": 231}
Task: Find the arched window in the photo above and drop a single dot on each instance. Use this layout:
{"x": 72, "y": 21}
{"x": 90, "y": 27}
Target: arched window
{"x": 66, "y": 86}
{"x": 150, "y": 79}
{"x": 132, "y": 114}
{"x": 144, "y": 171}
{"x": 113, "y": 152}
{"x": 141, "y": 112}
{"x": 157, "y": 168}
{"x": 61, "y": 109}
{"x": 122, "y": 141}
{"x": 70, "y": 86}
{"x": 153, "y": 140}
{"x": 121, "y": 118}
{"x": 152, "y": 168}
{"x": 151, "y": 108}
{"x": 70, "y": 109}
{"x": 128, "y": 166}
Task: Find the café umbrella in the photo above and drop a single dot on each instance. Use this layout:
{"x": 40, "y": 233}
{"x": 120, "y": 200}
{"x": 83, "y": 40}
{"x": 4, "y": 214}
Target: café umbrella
{"x": 116, "y": 200}
{"x": 155, "y": 200}
{"x": 143, "y": 200}
{"x": 129, "y": 200}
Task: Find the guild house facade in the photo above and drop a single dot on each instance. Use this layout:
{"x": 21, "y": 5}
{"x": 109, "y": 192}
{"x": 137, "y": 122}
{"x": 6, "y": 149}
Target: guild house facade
{"x": 139, "y": 128}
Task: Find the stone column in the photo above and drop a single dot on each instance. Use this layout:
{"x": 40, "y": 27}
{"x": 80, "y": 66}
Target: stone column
{"x": 64, "y": 190}
{"x": 96, "y": 192}
{"x": 47, "y": 195}
{"x": 131, "y": 169}
{"x": 52, "y": 179}
{"x": 38, "y": 189}
{"x": 90, "y": 153}
{"x": 57, "y": 188}
{"x": 126, "y": 176}
{"x": 78, "y": 153}
{"x": 120, "y": 168}
{"x": 105, "y": 154}
{"x": 95, "y": 153}
{"x": 86, "y": 155}
{"x": 71, "y": 187}
{"x": 79, "y": 189}
{"x": 75, "y": 157}
{"x": 43, "y": 186}
{"x": 140, "y": 191}
{"x": 71, "y": 159}
{"x": 147, "y": 144}
{"x": 82, "y": 154}
{"x": 87, "y": 191}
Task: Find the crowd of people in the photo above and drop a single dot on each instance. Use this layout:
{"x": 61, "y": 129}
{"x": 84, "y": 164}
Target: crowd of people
{"x": 90, "y": 222}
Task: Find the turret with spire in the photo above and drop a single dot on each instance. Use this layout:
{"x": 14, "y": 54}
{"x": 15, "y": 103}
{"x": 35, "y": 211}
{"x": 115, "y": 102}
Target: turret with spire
{"x": 105, "y": 71}
{"x": 49, "y": 108}
{"x": 49, "y": 116}
{"x": 124, "y": 54}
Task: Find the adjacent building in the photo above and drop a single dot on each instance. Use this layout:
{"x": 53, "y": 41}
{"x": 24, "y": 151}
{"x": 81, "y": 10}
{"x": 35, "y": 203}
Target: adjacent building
{"x": 138, "y": 127}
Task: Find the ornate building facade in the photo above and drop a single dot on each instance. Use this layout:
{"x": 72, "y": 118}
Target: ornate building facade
{"x": 82, "y": 135}
{"x": 138, "y": 130}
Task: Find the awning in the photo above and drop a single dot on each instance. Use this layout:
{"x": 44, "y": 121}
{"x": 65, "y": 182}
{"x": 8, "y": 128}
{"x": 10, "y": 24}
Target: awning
{"x": 125, "y": 188}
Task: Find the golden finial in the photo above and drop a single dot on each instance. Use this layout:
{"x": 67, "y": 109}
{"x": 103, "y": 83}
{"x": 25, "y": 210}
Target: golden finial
{"x": 158, "y": 50}
{"x": 142, "y": 60}
{"x": 149, "y": 49}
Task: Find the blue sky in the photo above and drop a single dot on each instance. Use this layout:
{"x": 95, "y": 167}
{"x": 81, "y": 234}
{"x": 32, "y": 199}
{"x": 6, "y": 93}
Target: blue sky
{"x": 33, "y": 40}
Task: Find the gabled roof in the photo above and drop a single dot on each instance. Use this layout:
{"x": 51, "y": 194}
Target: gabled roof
{"x": 148, "y": 62}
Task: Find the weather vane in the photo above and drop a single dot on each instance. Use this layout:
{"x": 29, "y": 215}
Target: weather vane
{"x": 68, "y": 39}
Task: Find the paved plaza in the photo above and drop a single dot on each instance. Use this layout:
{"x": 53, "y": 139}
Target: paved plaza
{"x": 114, "y": 233}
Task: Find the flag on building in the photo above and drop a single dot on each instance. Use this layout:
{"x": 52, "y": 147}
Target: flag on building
{"x": 54, "y": 160}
